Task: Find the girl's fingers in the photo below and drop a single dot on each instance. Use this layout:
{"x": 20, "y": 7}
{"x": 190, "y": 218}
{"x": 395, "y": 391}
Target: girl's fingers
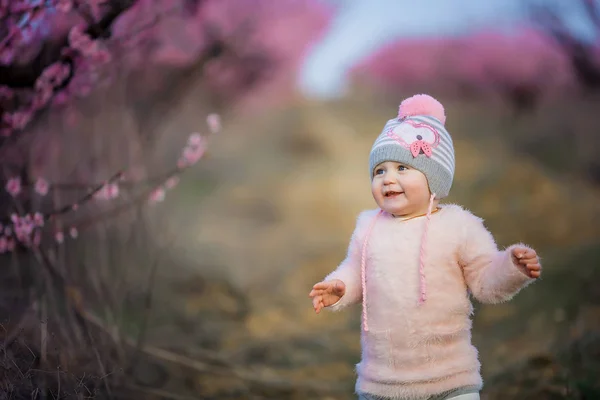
{"x": 317, "y": 292}
{"x": 316, "y": 301}
{"x": 534, "y": 267}
{"x": 523, "y": 253}
{"x": 519, "y": 253}
{"x": 319, "y": 307}
{"x": 322, "y": 285}
{"x": 530, "y": 253}
{"x": 534, "y": 274}
{"x": 529, "y": 260}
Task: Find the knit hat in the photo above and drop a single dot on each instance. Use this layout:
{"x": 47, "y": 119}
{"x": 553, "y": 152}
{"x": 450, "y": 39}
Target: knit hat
{"x": 419, "y": 139}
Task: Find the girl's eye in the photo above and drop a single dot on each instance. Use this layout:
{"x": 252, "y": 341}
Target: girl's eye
{"x": 379, "y": 171}
{"x": 402, "y": 168}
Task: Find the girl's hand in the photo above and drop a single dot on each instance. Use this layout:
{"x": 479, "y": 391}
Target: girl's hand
{"x": 528, "y": 260}
{"x": 326, "y": 293}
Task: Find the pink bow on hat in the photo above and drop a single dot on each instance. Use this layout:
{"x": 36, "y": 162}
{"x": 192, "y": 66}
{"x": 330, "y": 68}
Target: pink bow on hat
{"x": 418, "y": 145}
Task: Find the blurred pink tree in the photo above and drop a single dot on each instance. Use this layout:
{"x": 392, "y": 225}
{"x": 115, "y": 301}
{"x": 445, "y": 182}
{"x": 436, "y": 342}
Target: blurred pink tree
{"x": 518, "y": 66}
{"x": 522, "y": 66}
{"x": 56, "y": 53}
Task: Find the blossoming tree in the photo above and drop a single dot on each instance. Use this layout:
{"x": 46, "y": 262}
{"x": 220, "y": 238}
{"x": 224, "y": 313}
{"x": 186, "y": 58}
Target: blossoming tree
{"x": 54, "y": 54}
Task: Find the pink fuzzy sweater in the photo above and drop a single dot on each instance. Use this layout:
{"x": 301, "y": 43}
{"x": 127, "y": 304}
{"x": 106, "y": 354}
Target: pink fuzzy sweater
{"x": 413, "y": 350}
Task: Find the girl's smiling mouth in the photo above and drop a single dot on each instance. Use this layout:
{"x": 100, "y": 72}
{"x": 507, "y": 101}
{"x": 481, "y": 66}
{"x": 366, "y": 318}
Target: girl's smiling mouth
{"x": 392, "y": 193}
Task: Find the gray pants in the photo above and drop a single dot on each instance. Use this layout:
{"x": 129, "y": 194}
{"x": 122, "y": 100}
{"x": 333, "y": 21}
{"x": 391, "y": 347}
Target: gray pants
{"x": 464, "y": 393}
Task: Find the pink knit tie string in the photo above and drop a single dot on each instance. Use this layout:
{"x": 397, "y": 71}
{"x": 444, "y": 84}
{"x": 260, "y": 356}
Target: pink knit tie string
{"x": 363, "y": 269}
{"x": 422, "y": 254}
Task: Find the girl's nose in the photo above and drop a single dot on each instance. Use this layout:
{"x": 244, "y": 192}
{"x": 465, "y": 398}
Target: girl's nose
{"x": 389, "y": 178}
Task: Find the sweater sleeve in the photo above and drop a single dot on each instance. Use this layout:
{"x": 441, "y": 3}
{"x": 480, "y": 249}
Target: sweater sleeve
{"x": 349, "y": 269}
{"x": 491, "y": 274}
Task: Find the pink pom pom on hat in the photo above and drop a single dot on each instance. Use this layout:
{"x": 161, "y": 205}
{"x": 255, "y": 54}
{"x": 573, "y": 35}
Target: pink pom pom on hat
{"x": 422, "y": 104}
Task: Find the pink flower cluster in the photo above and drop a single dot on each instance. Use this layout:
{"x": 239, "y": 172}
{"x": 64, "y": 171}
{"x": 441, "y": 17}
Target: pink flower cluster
{"x": 25, "y": 229}
{"x": 52, "y": 77}
{"x": 13, "y": 186}
{"x": 193, "y": 151}
{"x": 88, "y": 47}
{"x": 159, "y": 193}
{"x": 17, "y": 119}
{"x": 214, "y": 122}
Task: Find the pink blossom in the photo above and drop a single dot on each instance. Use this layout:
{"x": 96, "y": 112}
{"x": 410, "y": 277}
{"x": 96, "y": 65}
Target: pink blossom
{"x": 59, "y": 237}
{"x": 23, "y": 227}
{"x": 41, "y": 186}
{"x": 82, "y": 42}
{"x": 157, "y": 195}
{"x": 172, "y": 182}
{"x": 109, "y": 191}
{"x": 13, "y": 186}
{"x": 193, "y": 151}
{"x": 52, "y": 76}
{"x": 73, "y": 232}
{"x": 195, "y": 139}
{"x": 18, "y": 119}
{"x": 214, "y": 122}
{"x": 42, "y": 97}
{"x": 192, "y": 155}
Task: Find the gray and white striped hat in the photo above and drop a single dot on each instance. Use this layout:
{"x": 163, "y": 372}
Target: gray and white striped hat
{"x": 418, "y": 139}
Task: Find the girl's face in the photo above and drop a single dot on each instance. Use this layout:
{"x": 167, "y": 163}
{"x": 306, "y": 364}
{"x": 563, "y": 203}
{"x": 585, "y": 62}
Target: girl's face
{"x": 400, "y": 190}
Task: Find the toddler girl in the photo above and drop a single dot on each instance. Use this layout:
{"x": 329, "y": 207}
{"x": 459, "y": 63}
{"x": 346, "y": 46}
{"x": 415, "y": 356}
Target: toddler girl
{"x": 413, "y": 262}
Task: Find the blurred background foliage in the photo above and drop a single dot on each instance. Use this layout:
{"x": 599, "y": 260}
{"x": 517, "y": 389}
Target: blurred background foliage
{"x": 204, "y": 294}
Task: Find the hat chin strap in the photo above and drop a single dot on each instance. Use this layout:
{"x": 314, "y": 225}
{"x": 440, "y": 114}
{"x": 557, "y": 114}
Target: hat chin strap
{"x": 363, "y": 276}
{"x": 422, "y": 253}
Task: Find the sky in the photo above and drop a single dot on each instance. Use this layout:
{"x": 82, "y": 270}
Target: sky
{"x": 362, "y": 26}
